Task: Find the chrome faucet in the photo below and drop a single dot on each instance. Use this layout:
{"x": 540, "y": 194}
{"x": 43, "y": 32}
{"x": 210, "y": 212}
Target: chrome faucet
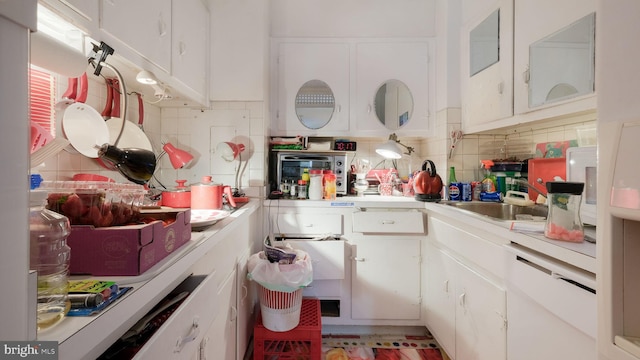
{"x": 526, "y": 183}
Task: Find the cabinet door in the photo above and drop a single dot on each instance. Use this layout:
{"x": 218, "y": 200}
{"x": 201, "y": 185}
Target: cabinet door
{"x": 82, "y": 13}
{"x": 143, "y": 25}
{"x": 529, "y": 30}
{"x": 189, "y": 37}
{"x": 386, "y": 278}
{"x": 377, "y": 63}
{"x": 247, "y": 296}
{"x": 220, "y": 341}
{"x": 299, "y": 63}
{"x": 487, "y": 66}
{"x": 440, "y": 297}
{"x": 481, "y": 313}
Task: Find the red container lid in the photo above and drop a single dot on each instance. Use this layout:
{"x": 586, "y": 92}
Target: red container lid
{"x": 315, "y": 171}
{"x": 330, "y": 176}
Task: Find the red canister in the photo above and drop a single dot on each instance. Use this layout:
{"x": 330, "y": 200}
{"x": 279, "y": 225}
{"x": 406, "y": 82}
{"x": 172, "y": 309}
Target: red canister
{"x": 178, "y": 197}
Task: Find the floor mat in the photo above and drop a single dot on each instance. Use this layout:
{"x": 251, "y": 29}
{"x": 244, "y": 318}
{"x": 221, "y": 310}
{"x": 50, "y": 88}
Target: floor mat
{"x": 380, "y": 347}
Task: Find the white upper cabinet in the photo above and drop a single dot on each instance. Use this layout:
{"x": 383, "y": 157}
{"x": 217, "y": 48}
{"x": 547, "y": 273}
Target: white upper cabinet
{"x": 487, "y": 68}
{"x": 190, "y": 47}
{"x": 169, "y": 38}
{"x": 352, "y": 87}
{"x": 517, "y": 69}
{"x": 82, "y": 13}
{"x": 313, "y": 89}
{"x": 554, "y": 59}
{"x": 143, "y": 25}
{"x": 392, "y": 88}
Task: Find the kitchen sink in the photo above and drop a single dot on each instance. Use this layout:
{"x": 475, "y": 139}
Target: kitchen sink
{"x": 502, "y": 211}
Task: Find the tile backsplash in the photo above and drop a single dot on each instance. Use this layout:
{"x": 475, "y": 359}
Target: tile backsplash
{"x": 199, "y": 131}
{"x": 518, "y": 143}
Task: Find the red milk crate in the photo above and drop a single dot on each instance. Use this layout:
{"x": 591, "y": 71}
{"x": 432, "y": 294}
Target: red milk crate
{"x": 302, "y": 342}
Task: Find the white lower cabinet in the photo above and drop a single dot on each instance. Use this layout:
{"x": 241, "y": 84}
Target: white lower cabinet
{"x": 386, "y": 259}
{"x": 385, "y": 279}
{"x": 219, "y": 343}
{"x": 180, "y": 336}
{"x": 247, "y": 298}
{"x": 465, "y": 311}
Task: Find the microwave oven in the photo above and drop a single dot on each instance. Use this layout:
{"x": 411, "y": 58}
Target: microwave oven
{"x": 289, "y": 166}
{"x": 581, "y": 163}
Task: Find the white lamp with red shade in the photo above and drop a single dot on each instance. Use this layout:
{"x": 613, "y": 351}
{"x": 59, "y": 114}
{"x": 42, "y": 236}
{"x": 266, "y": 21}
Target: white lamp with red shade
{"x": 229, "y": 152}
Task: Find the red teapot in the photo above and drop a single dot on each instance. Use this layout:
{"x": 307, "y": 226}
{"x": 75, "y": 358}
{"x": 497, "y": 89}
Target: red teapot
{"x": 427, "y": 184}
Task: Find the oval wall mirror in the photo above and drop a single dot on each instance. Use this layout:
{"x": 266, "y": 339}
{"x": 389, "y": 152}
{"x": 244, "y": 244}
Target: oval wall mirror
{"x": 393, "y": 104}
{"x": 315, "y": 104}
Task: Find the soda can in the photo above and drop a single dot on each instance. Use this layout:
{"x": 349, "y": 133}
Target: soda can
{"x": 455, "y": 191}
{"x": 476, "y": 189}
{"x": 466, "y": 191}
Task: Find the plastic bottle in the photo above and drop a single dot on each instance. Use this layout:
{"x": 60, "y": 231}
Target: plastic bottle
{"x": 49, "y": 256}
{"x": 305, "y": 176}
{"x": 315, "y": 185}
{"x": 490, "y": 180}
{"x": 330, "y": 186}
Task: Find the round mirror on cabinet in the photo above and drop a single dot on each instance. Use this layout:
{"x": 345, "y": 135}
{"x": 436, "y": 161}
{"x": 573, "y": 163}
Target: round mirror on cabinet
{"x": 315, "y": 104}
{"x": 393, "y": 104}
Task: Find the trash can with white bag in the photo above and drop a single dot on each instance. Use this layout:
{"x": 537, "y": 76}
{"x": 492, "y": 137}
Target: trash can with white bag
{"x": 281, "y": 275}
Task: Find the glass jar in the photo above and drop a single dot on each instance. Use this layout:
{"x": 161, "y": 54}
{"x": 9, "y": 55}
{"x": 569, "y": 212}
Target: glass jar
{"x": 302, "y": 189}
{"x": 362, "y": 184}
{"x": 563, "y": 220}
{"x": 49, "y": 256}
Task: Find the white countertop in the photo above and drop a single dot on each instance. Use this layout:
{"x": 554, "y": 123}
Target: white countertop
{"x": 581, "y": 255}
{"x": 86, "y": 336}
{"x": 351, "y": 201}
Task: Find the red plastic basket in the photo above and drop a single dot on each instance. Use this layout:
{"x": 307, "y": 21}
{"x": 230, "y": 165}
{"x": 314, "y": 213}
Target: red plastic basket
{"x": 302, "y": 342}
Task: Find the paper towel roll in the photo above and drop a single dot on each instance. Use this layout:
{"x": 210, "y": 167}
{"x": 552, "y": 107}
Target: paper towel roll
{"x": 54, "y": 55}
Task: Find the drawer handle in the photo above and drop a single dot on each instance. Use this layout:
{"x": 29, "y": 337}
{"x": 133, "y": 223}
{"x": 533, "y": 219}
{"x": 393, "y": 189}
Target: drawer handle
{"x": 462, "y": 300}
{"x": 192, "y": 335}
{"x": 390, "y": 222}
{"x": 162, "y": 26}
{"x": 357, "y": 259}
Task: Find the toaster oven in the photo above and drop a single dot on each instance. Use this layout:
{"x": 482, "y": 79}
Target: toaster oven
{"x": 289, "y": 166}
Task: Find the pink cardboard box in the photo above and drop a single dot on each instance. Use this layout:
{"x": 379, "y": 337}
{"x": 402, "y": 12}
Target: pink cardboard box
{"x": 129, "y": 249}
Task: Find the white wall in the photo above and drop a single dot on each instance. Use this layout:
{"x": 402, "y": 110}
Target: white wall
{"x": 353, "y": 18}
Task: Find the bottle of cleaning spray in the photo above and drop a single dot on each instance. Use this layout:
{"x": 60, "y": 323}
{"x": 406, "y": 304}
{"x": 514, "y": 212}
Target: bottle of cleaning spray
{"x": 489, "y": 184}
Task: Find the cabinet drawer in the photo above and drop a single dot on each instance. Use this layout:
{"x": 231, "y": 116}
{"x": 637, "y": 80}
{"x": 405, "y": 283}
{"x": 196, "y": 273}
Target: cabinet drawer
{"x": 324, "y": 289}
{"x": 220, "y": 261}
{"x": 389, "y": 222}
{"x": 309, "y": 224}
{"x": 327, "y": 257}
{"x": 180, "y": 336}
